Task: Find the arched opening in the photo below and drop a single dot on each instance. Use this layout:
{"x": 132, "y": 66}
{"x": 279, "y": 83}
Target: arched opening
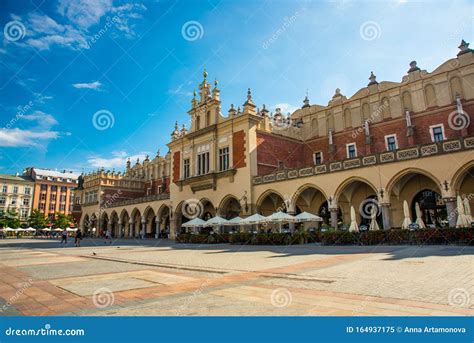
{"x": 164, "y": 222}
{"x": 229, "y": 207}
{"x": 463, "y": 184}
{"x": 136, "y": 220}
{"x": 355, "y": 192}
{"x": 416, "y": 186}
{"x": 326, "y": 214}
{"x": 86, "y": 225}
{"x": 308, "y": 199}
{"x": 93, "y": 226}
{"x": 114, "y": 220}
{"x": 125, "y": 220}
{"x": 103, "y": 224}
{"x": 207, "y": 209}
{"x": 150, "y": 222}
{"x": 270, "y": 202}
{"x": 432, "y": 206}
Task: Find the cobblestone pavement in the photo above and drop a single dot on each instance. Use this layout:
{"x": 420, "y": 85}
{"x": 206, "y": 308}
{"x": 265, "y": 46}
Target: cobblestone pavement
{"x": 156, "y": 277}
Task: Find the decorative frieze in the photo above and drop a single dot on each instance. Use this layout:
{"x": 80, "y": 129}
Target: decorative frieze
{"x": 407, "y": 154}
{"x": 306, "y": 171}
{"x": 451, "y": 146}
{"x": 351, "y": 163}
{"x": 320, "y": 169}
{"x": 369, "y": 160}
{"x": 335, "y": 166}
{"x": 428, "y": 150}
{"x": 387, "y": 157}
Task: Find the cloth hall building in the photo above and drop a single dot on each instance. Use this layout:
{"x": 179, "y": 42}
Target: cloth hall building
{"x": 389, "y": 142}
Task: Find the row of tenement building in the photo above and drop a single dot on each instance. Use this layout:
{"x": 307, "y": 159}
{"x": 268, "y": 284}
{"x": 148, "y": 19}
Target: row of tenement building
{"x": 49, "y": 191}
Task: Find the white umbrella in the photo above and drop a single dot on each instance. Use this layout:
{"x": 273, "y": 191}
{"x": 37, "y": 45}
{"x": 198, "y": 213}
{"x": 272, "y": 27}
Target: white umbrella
{"x": 254, "y": 219}
{"x": 406, "y": 213}
{"x": 58, "y": 229}
{"x": 234, "y": 221}
{"x": 419, "y": 219}
{"x": 73, "y": 229}
{"x": 46, "y": 229}
{"x": 307, "y": 217}
{"x": 374, "y": 226}
{"x": 216, "y": 221}
{"x": 20, "y": 229}
{"x": 8, "y": 229}
{"x": 462, "y": 220}
{"x": 281, "y": 217}
{"x": 196, "y": 222}
{"x": 467, "y": 210}
{"x": 30, "y": 229}
{"x": 353, "y": 227}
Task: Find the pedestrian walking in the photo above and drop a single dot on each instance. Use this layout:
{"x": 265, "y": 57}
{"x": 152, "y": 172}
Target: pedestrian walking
{"x": 108, "y": 236}
{"x": 63, "y": 237}
{"x": 77, "y": 241}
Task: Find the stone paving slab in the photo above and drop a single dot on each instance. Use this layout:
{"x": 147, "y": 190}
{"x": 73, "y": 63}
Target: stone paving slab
{"x": 153, "y": 277}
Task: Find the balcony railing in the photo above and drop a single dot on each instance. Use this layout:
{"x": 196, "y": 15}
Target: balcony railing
{"x": 418, "y": 151}
{"x": 148, "y": 198}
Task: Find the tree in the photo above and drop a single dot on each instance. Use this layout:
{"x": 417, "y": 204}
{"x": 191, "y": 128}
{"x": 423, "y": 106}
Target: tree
{"x": 37, "y": 219}
{"x": 11, "y": 219}
{"x": 61, "y": 220}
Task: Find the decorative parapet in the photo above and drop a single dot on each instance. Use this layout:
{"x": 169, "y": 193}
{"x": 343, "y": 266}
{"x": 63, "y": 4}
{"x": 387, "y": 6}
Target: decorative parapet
{"x": 414, "y": 152}
{"x": 149, "y": 198}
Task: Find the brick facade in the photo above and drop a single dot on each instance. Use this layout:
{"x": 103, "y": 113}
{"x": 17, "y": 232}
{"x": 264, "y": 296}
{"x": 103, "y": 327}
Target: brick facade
{"x": 238, "y": 148}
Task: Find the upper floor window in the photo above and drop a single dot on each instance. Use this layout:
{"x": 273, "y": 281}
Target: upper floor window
{"x": 43, "y": 196}
{"x": 53, "y": 197}
{"x": 13, "y": 201}
{"x": 223, "y": 159}
{"x": 208, "y": 118}
{"x": 4, "y": 188}
{"x": 391, "y": 142}
{"x": 2, "y": 200}
{"x": 15, "y": 189}
{"x": 198, "y": 123}
{"x": 351, "y": 150}
{"x": 437, "y": 133}
{"x": 27, "y": 190}
{"x": 203, "y": 163}
{"x": 186, "y": 165}
{"x": 44, "y": 187}
{"x": 318, "y": 158}
{"x": 54, "y": 188}
{"x": 26, "y": 202}
{"x": 63, "y": 189}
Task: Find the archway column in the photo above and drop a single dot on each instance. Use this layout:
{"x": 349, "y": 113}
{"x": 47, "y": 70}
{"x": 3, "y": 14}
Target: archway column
{"x": 130, "y": 229}
{"x": 120, "y": 229}
{"x": 451, "y": 210}
{"x": 387, "y": 223}
{"x": 334, "y": 213}
{"x": 143, "y": 228}
{"x": 157, "y": 227}
{"x": 291, "y": 225}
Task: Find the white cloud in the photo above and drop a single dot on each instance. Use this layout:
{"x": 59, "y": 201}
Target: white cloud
{"x": 84, "y": 13}
{"x": 285, "y": 108}
{"x": 75, "y": 29}
{"x": 91, "y": 85}
{"x": 118, "y": 159}
{"x": 24, "y": 138}
{"x": 37, "y": 135}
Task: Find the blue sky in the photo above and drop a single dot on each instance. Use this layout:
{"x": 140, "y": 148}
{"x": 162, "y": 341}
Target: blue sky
{"x": 137, "y": 63}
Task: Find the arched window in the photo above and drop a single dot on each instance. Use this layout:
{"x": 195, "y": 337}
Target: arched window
{"x": 331, "y": 121}
{"x": 430, "y": 95}
{"x": 347, "y": 118}
{"x": 208, "y": 118}
{"x": 456, "y": 88}
{"x": 365, "y": 112}
{"x": 198, "y": 122}
{"x": 406, "y": 101}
